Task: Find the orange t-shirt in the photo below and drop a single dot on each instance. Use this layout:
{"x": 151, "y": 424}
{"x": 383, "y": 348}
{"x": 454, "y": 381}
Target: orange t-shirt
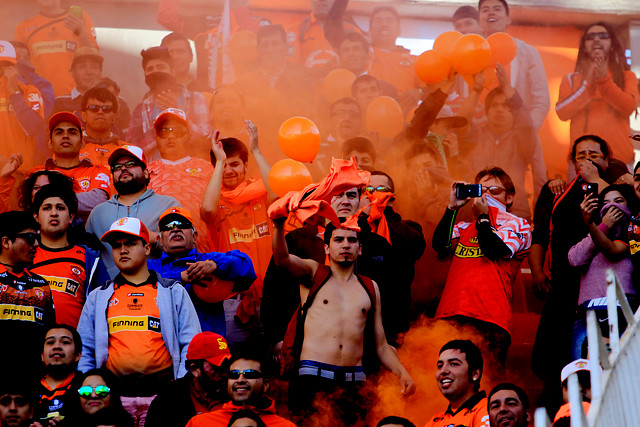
{"x": 86, "y": 176}
{"x": 308, "y": 45}
{"x": 395, "y": 66}
{"x": 13, "y": 137}
{"x": 98, "y": 154}
{"x": 66, "y": 272}
{"x": 186, "y": 180}
{"x": 135, "y": 338}
{"x": 52, "y": 45}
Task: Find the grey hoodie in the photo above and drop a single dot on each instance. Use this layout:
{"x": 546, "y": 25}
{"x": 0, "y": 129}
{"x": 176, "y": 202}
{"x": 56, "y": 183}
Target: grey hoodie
{"x": 147, "y": 208}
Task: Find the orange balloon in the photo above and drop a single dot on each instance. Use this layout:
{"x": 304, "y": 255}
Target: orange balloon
{"x": 288, "y": 175}
{"x": 489, "y": 76}
{"x": 299, "y": 139}
{"x": 471, "y": 54}
{"x": 243, "y": 47}
{"x": 384, "y": 116}
{"x": 444, "y": 44}
{"x": 503, "y": 48}
{"x": 431, "y": 67}
{"x": 337, "y": 85}
{"x": 215, "y": 290}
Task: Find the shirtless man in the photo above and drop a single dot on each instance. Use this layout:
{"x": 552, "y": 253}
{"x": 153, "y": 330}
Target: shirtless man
{"x": 332, "y": 349}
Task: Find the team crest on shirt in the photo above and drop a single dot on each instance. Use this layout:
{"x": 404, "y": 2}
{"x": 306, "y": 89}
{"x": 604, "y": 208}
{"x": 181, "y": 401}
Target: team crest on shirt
{"x": 39, "y": 293}
{"x": 84, "y": 183}
{"x": 76, "y": 271}
{"x": 257, "y": 207}
{"x": 193, "y": 171}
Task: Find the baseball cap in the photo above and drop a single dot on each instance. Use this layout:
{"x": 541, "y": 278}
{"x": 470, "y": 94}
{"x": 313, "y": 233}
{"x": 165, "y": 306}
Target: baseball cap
{"x": 170, "y": 112}
{"x": 209, "y": 346}
{"x": 87, "y": 52}
{"x": 575, "y": 366}
{"x": 446, "y": 113}
{"x": 127, "y": 150}
{"x": 64, "y": 116}
{"x": 176, "y": 211}
{"x": 7, "y": 52}
{"x": 127, "y": 225}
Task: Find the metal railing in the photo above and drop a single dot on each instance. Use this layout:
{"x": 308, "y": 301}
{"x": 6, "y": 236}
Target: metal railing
{"x": 615, "y": 391}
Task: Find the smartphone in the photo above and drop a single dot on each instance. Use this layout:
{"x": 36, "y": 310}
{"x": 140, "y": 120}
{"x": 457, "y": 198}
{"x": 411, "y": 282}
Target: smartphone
{"x": 464, "y": 191}
{"x": 76, "y": 11}
{"x": 591, "y": 190}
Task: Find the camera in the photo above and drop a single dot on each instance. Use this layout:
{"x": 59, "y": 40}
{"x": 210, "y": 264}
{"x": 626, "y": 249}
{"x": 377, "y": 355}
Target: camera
{"x": 464, "y": 191}
{"x": 591, "y": 190}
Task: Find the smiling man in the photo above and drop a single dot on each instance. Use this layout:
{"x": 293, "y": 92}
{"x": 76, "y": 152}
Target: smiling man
{"x": 508, "y": 406}
{"x": 458, "y": 374}
{"x": 138, "y": 325}
{"x": 246, "y": 386}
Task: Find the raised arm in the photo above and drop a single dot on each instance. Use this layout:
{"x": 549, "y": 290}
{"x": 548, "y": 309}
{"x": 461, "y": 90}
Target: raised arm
{"x": 387, "y": 355}
{"x": 296, "y": 266}
{"x": 211, "y": 196}
{"x": 263, "y": 165}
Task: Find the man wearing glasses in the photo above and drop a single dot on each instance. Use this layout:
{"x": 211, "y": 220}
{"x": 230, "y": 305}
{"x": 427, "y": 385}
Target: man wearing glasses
{"x": 486, "y": 257}
{"x": 178, "y": 174}
{"x": 26, "y": 304}
{"x": 246, "y": 386}
{"x": 134, "y": 199}
{"x": 91, "y": 182}
{"x": 226, "y": 274}
{"x": 138, "y": 325}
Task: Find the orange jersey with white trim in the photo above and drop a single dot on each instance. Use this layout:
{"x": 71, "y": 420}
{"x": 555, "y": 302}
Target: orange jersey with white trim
{"x": 66, "y": 272}
{"x": 396, "y": 67}
{"x": 136, "y": 345}
{"x": 98, "y": 154}
{"x": 86, "y": 176}
{"x": 476, "y": 416}
{"x": 52, "y": 45}
{"x": 186, "y": 180}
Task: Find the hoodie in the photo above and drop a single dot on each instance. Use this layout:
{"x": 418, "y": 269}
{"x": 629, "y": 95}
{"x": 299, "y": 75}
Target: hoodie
{"x": 147, "y": 208}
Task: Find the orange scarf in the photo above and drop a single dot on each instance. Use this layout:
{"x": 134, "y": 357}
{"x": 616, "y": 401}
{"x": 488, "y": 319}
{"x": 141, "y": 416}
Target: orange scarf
{"x": 377, "y": 221}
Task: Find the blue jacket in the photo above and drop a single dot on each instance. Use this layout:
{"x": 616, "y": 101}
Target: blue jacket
{"x": 234, "y": 266}
{"x": 178, "y": 323}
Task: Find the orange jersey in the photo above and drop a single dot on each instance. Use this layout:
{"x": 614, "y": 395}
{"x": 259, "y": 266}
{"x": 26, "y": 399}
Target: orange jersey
{"x": 135, "y": 339}
{"x": 66, "y": 273}
{"x": 308, "y": 45}
{"x": 473, "y": 413}
{"x": 396, "y": 67}
{"x": 244, "y": 226}
{"x": 12, "y": 133}
{"x": 86, "y": 176}
{"x": 98, "y": 154}
{"x": 186, "y": 180}
{"x": 52, "y": 45}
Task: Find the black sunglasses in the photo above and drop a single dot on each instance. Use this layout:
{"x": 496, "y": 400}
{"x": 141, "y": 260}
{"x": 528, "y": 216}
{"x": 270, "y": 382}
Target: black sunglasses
{"x": 95, "y": 108}
{"x": 249, "y": 374}
{"x": 176, "y": 223}
{"x": 30, "y": 238}
{"x": 603, "y": 35}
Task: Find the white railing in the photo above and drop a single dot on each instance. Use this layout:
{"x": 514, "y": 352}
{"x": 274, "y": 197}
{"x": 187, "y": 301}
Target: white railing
{"x": 615, "y": 391}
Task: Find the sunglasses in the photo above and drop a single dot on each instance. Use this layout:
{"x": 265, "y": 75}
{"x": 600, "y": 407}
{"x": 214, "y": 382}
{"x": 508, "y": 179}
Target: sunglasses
{"x": 249, "y": 374}
{"x": 176, "y": 223}
{"x": 601, "y": 35}
{"x": 19, "y": 400}
{"x": 30, "y": 238}
{"x": 102, "y": 391}
{"x": 382, "y": 189}
{"x": 493, "y": 190}
{"x": 95, "y": 108}
{"x": 590, "y": 156}
{"x": 178, "y": 132}
{"x": 129, "y": 165}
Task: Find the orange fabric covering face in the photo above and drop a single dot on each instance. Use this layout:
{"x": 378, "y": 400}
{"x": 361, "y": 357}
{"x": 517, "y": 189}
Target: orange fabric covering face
{"x": 67, "y": 276}
{"x": 99, "y": 153}
{"x": 13, "y": 137}
{"x": 135, "y": 339}
{"x": 186, "y": 180}
{"x": 52, "y": 45}
{"x": 315, "y": 199}
{"x": 377, "y": 221}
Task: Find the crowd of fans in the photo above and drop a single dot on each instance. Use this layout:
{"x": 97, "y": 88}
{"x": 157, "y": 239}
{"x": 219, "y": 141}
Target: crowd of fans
{"x": 150, "y": 275}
